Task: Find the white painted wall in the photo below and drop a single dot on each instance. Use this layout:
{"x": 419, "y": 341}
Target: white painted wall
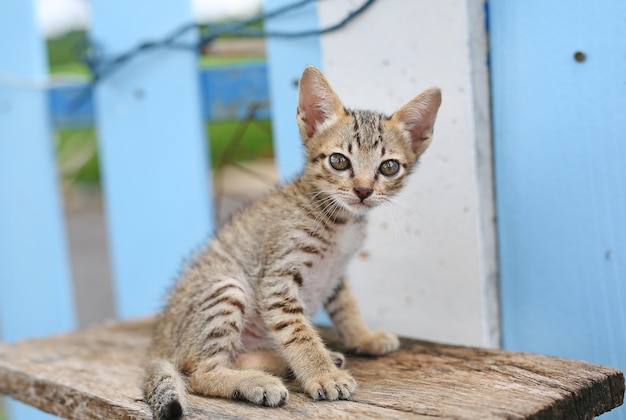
{"x": 429, "y": 271}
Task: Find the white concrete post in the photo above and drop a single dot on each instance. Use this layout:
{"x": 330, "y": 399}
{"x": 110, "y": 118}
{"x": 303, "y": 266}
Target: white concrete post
{"x": 428, "y": 270}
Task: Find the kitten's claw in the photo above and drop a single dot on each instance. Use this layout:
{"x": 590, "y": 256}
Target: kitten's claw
{"x": 338, "y": 385}
{"x": 377, "y": 343}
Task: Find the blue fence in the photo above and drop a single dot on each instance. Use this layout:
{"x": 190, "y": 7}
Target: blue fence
{"x": 559, "y": 108}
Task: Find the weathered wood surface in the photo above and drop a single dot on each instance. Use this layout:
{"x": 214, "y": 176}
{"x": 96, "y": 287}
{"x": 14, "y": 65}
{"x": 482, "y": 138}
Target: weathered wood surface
{"x": 96, "y": 373}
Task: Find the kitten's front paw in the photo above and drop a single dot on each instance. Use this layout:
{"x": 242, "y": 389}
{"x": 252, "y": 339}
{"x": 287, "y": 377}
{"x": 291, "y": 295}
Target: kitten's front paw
{"x": 376, "y": 343}
{"x": 262, "y": 389}
{"x": 337, "y": 385}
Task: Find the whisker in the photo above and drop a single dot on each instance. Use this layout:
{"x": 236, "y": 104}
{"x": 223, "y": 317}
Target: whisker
{"x": 394, "y": 220}
{"x": 322, "y": 207}
{"x": 410, "y": 206}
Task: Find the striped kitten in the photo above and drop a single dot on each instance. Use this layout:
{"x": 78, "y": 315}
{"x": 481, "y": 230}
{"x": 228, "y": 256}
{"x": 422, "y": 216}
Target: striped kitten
{"x": 240, "y": 316}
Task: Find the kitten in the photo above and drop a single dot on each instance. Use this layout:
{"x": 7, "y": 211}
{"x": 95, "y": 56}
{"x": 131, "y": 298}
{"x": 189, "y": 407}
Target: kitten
{"x": 240, "y": 316}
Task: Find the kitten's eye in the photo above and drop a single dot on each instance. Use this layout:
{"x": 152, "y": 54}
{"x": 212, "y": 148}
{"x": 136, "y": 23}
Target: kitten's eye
{"x": 389, "y": 167}
{"x": 339, "y": 162}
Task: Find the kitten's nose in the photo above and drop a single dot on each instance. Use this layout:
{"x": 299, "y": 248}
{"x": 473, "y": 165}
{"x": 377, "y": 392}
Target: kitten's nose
{"x": 363, "y": 192}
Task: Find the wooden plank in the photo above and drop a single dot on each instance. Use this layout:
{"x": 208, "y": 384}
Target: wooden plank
{"x": 227, "y": 93}
{"x": 32, "y": 232}
{"x": 561, "y": 181}
{"x": 153, "y": 151}
{"x": 97, "y": 373}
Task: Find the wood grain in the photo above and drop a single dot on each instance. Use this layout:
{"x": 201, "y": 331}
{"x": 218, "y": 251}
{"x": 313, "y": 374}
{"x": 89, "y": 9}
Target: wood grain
{"x": 96, "y": 373}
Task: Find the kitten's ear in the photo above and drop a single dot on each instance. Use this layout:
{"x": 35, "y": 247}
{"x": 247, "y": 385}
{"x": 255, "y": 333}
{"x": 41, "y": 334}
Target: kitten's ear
{"x": 318, "y": 104}
{"x": 418, "y": 118}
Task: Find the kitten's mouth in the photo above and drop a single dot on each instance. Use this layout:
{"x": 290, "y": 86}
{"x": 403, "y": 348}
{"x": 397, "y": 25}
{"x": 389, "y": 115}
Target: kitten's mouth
{"x": 355, "y": 206}
{"x": 359, "y": 207}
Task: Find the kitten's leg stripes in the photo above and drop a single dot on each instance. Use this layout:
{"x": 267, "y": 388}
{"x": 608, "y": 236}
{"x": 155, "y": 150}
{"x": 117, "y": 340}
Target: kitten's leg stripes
{"x": 342, "y": 307}
{"x": 295, "y": 337}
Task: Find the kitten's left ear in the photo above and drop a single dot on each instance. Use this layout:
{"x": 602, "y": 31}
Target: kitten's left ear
{"x": 418, "y": 116}
{"x": 318, "y": 104}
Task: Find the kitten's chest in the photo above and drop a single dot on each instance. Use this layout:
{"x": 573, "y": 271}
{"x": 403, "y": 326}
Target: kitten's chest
{"x": 349, "y": 238}
{"x": 326, "y": 269}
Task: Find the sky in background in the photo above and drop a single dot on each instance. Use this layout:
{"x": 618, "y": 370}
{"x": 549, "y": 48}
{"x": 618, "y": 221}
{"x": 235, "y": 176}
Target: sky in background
{"x": 56, "y": 17}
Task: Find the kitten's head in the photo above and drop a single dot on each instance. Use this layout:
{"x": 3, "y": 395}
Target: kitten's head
{"x": 358, "y": 159}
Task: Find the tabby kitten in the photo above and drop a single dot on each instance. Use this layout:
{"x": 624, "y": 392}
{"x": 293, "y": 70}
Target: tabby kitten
{"x": 240, "y": 315}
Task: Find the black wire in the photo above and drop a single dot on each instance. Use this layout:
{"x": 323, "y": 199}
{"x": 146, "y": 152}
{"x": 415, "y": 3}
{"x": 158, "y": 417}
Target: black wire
{"x": 239, "y": 28}
{"x": 101, "y": 67}
{"x": 310, "y": 32}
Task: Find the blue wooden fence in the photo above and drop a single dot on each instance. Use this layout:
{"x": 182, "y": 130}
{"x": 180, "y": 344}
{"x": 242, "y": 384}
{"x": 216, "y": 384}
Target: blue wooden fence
{"x": 559, "y": 118}
{"x": 149, "y": 110}
{"x": 35, "y": 294}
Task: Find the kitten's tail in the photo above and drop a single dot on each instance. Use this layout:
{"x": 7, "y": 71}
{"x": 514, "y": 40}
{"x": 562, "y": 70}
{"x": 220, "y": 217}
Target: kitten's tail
{"x": 165, "y": 390}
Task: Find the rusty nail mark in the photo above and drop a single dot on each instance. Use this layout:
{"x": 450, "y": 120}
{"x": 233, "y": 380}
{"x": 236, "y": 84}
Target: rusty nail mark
{"x": 580, "y": 56}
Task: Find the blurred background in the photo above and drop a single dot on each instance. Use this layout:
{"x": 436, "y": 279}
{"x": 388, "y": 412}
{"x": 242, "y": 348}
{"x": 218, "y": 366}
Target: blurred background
{"x": 240, "y": 151}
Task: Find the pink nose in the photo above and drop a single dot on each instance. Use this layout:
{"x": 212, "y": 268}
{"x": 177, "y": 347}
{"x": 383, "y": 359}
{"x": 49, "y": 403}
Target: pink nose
{"x": 363, "y": 192}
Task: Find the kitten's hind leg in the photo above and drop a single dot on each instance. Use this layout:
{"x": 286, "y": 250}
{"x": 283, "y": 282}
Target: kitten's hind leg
{"x": 218, "y": 336}
{"x": 247, "y": 385}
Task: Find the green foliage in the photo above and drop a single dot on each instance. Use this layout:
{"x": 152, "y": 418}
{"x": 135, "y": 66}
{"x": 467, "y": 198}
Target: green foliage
{"x": 78, "y": 156}
{"x": 239, "y": 141}
{"x": 62, "y": 53}
{"x": 230, "y": 141}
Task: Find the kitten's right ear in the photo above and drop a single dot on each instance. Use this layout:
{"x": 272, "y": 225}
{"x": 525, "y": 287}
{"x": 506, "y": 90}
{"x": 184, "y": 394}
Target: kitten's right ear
{"x": 318, "y": 104}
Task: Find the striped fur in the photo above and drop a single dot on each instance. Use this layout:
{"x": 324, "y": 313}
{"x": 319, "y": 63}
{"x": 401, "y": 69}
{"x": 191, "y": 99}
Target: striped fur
{"x": 240, "y": 314}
